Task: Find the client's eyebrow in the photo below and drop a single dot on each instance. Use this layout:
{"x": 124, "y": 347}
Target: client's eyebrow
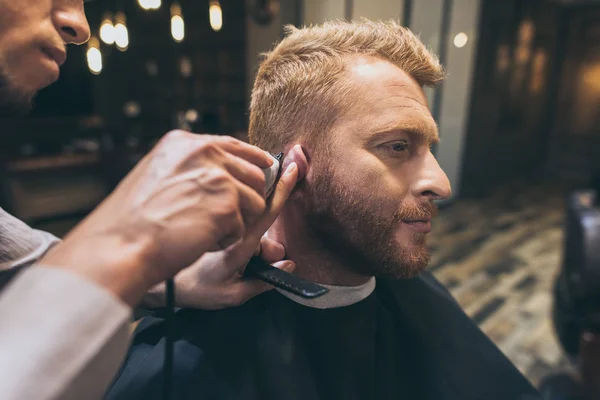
{"x": 425, "y": 131}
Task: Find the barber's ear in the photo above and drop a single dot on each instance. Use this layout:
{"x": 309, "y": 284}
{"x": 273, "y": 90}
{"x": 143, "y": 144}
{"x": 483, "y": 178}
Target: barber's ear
{"x": 296, "y": 154}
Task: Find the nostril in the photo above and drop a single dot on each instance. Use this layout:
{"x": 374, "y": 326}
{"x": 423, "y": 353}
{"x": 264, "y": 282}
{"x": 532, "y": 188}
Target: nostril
{"x": 69, "y": 31}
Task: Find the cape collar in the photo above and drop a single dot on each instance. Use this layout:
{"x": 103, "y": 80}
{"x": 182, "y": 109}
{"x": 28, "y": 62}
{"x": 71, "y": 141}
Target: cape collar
{"x": 338, "y": 296}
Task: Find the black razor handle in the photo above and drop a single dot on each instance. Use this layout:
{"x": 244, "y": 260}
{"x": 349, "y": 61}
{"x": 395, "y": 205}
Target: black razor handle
{"x": 258, "y": 268}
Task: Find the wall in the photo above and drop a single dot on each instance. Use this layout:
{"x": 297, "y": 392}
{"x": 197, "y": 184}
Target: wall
{"x": 455, "y": 100}
{"x": 261, "y": 38}
{"x": 515, "y": 82}
{"x": 318, "y": 11}
{"x": 575, "y": 133}
{"x": 426, "y": 22}
{"x": 378, "y": 10}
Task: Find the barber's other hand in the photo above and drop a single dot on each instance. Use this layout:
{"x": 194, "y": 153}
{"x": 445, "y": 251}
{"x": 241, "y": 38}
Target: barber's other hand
{"x": 216, "y": 280}
{"x": 191, "y": 194}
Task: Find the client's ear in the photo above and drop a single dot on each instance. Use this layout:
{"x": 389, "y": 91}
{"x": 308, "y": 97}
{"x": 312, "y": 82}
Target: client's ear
{"x": 296, "y": 154}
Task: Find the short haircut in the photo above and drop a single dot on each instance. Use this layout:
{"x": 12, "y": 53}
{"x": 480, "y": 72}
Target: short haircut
{"x": 299, "y": 90}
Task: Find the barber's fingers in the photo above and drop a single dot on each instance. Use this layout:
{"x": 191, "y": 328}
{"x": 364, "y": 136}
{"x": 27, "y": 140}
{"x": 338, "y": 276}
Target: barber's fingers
{"x": 270, "y": 250}
{"x": 247, "y": 289}
{"x": 246, "y": 151}
{"x": 282, "y": 192}
{"x": 239, "y": 256}
{"x": 236, "y": 230}
{"x": 247, "y": 173}
{"x": 252, "y": 205}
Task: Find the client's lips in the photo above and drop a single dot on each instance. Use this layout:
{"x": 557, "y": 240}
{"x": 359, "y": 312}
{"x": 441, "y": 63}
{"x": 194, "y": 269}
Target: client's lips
{"x": 59, "y": 55}
{"x": 419, "y": 225}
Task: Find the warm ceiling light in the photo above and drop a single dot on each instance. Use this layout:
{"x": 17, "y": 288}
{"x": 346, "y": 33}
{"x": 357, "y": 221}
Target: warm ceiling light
{"x": 121, "y": 33}
{"x": 150, "y": 4}
{"x": 185, "y": 67}
{"x": 107, "y": 30}
{"x": 132, "y": 109}
{"x": 177, "y": 24}
{"x": 460, "y": 40}
{"x": 216, "y": 15}
{"x": 191, "y": 115}
{"x": 145, "y": 4}
{"x": 94, "y": 56}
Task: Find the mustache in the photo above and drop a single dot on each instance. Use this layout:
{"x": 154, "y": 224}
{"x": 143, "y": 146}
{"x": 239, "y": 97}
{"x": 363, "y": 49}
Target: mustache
{"x": 423, "y": 211}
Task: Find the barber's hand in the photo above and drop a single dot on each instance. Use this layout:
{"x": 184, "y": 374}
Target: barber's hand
{"x": 191, "y": 194}
{"x": 216, "y": 280}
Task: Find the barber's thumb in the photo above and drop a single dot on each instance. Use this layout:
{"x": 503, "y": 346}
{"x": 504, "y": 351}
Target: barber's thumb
{"x": 285, "y": 265}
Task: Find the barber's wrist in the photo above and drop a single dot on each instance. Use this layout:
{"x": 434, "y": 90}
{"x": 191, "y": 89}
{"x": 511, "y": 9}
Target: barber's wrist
{"x": 119, "y": 266}
{"x": 155, "y": 297}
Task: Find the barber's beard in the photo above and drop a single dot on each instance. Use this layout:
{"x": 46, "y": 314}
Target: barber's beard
{"x": 13, "y": 102}
{"x": 360, "y": 230}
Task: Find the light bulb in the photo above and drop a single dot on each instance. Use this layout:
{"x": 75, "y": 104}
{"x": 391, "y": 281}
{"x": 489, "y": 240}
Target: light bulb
{"x": 460, "y": 40}
{"x": 177, "y": 24}
{"x": 121, "y": 33}
{"x": 150, "y": 4}
{"x": 107, "y": 30}
{"x": 177, "y": 28}
{"x": 215, "y": 15}
{"x": 121, "y": 37}
{"x": 94, "y": 56}
{"x": 185, "y": 67}
{"x": 132, "y": 109}
{"x": 191, "y": 115}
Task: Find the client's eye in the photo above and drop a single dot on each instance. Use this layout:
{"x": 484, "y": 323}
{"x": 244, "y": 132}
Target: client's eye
{"x": 397, "y": 146}
{"x": 396, "y": 149}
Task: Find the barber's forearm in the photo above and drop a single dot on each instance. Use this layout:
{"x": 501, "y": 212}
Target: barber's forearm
{"x": 107, "y": 261}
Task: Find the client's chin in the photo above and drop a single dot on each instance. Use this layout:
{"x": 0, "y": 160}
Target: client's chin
{"x": 14, "y": 102}
{"x": 403, "y": 262}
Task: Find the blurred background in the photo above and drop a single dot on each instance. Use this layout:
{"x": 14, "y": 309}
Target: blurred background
{"x": 519, "y": 119}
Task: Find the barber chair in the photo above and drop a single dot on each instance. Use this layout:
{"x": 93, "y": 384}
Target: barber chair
{"x": 576, "y": 311}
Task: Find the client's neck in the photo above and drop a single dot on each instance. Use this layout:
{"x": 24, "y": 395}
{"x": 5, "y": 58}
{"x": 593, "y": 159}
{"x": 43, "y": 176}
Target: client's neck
{"x": 313, "y": 260}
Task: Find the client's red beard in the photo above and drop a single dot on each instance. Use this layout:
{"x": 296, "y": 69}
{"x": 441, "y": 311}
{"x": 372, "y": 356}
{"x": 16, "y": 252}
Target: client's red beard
{"x": 359, "y": 228}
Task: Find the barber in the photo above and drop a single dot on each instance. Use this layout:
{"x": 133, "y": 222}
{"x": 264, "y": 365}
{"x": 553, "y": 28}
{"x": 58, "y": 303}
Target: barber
{"x": 65, "y": 319}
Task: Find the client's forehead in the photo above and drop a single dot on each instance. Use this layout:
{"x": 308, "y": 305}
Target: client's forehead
{"x": 385, "y": 98}
{"x": 381, "y": 79}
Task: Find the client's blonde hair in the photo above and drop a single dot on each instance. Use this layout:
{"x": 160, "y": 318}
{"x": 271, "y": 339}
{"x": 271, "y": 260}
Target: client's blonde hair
{"x": 299, "y": 90}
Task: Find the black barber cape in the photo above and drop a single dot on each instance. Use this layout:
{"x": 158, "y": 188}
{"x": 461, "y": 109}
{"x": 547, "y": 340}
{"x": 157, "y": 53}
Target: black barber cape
{"x": 408, "y": 340}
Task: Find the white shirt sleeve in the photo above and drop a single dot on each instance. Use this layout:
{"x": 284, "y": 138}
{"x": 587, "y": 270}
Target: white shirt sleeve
{"x": 20, "y": 245}
{"x": 61, "y": 336}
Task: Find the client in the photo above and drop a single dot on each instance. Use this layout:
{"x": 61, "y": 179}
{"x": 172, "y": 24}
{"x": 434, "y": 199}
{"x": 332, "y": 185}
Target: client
{"x": 350, "y": 94}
